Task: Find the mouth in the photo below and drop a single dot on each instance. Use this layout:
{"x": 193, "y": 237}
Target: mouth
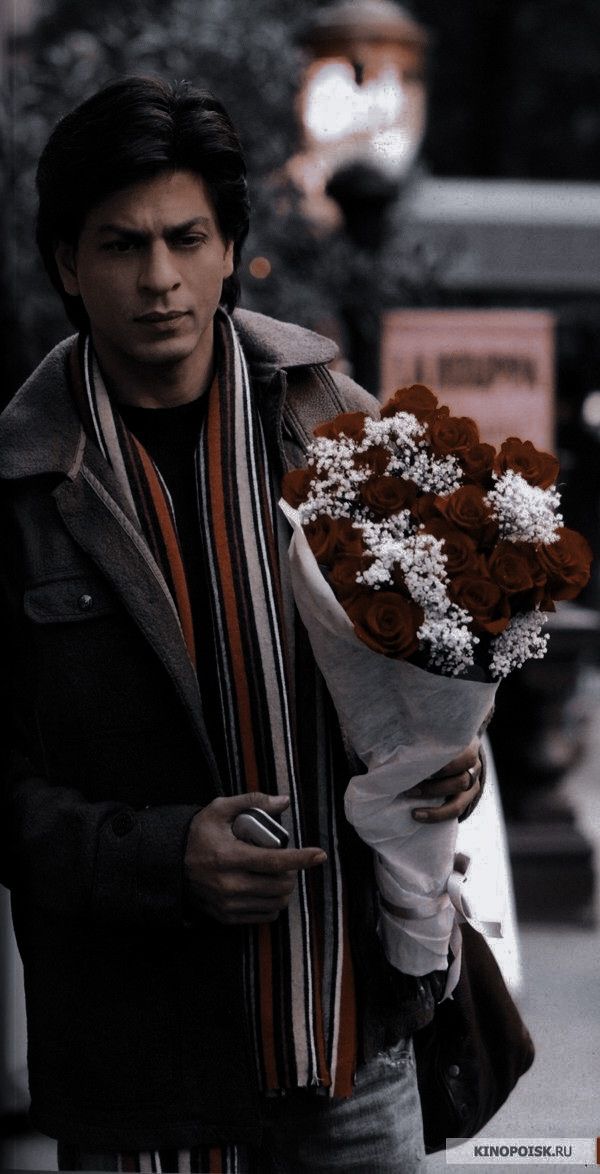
{"x": 156, "y": 317}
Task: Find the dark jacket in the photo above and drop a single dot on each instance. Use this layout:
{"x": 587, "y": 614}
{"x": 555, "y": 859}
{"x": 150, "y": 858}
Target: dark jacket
{"x": 137, "y": 1025}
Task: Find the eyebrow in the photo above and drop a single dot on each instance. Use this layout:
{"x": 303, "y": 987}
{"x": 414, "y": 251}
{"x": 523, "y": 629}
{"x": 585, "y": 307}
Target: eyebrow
{"x": 170, "y": 231}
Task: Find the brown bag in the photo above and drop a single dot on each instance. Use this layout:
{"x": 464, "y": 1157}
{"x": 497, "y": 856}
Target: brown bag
{"x": 470, "y": 1057}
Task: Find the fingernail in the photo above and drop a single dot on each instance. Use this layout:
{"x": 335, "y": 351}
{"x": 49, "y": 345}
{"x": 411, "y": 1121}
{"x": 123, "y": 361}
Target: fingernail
{"x": 320, "y": 857}
{"x": 421, "y": 815}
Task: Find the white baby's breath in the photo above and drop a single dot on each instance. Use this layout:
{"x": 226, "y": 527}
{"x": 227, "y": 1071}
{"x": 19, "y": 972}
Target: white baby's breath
{"x": 451, "y": 642}
{"x": 521, "y": 640}
{"x": 525, "y": 512}
{"x": 402, "y": 430}
{"x": 335, "y": 488}
{"x": 412, "y": 458}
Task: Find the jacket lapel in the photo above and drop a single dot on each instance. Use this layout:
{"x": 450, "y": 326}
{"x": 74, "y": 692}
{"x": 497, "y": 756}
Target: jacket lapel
{"x": 98, "y": 520}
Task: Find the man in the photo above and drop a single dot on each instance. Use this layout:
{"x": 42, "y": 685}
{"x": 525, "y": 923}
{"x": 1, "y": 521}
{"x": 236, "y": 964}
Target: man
{"x": 194, "y": 1002}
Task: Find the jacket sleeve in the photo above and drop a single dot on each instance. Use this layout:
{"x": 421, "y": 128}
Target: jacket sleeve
{"x": 105, "y": 861}
{"x": 314, "y": 395}
{"x": 65, "y": 854}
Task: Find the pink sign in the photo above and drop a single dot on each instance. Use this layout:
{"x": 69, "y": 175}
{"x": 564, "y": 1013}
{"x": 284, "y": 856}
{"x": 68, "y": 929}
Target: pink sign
{"x": 494, "y": 365}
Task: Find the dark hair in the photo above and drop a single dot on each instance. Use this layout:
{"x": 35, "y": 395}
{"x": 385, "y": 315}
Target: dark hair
{"x": 130, "y": 131}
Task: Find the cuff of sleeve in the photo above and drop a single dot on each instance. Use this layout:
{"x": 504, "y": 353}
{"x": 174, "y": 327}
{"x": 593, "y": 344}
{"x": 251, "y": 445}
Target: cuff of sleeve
{"x": 139, "y": 874}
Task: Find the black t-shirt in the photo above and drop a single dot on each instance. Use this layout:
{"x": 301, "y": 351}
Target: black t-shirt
{"x": 170, "y": 436}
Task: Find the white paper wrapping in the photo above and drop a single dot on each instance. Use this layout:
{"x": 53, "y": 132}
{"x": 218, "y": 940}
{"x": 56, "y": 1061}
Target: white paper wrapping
{"x": 404, "y": 724}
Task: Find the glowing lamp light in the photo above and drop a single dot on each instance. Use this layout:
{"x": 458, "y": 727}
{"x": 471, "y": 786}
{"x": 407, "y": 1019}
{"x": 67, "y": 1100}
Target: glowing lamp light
{"x": 335, "y": 106}
{"x": 260, "y": 267}
{"x": 363, "y": 97}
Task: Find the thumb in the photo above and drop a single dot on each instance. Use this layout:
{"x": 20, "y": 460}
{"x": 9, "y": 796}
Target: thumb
{"x": 273, "y": 804}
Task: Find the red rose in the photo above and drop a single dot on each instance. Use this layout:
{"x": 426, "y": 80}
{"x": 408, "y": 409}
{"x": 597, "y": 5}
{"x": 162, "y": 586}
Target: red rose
{"x": 349, "y": 538}
{"x": 478, "y": 462}
{"x": 459, "y": 548}
{"x": 295, "y": 486}
{"x": 342, "y": 577}
{"x": 566, "y": 563}
{"x": 452, "y": 434}
{"x": 387, "y": 622}
{"x": 425, "y": 507}
{"x": 539, "y": 592}
{"x": 350, "y": 424}
{"x": 510, "y": 568}
{"x": 468, "y": 509}
{"x": 483, "y": 599}
{"x": 387, "y": 495}
{"x": 538, "y": 468}
{"x": 417, "y": 399}
{"x": 328, "y": 537}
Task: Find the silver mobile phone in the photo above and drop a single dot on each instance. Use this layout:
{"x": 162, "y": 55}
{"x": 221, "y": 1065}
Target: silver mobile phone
{"x": 256, "y": 827}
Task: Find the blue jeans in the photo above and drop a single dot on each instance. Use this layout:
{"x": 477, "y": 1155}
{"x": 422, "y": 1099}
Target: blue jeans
{"x": 376, "y": 1131}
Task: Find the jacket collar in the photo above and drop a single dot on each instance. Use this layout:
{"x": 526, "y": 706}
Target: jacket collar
{"x": 40, "y": 432}
{"x": 266, "y": 341}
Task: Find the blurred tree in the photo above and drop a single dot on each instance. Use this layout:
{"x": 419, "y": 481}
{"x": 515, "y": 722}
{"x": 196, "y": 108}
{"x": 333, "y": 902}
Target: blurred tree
{"x": 246, "y": 53}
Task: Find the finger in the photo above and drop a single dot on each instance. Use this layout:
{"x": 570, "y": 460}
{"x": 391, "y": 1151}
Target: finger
{"x": 252, "y": 917}
{"x": 238, "y": 892}
{"x": 255, "y": 906}
{"x": 235, "y": 903}
{"x": 258, "y": 887}
{"x": 467, "y": 758}
{"x": 451, "y": 809}
{"x": 271, "y": 803}
{"x": 229, "y": 806}
{"x": 281, "y": 860}
{"x": 449, "y": 785}
{"x": 245, "y": 913}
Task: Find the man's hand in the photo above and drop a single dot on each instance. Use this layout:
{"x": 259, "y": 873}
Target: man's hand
{"x": 235, "y": 882}
{"x": 459, "y": 781}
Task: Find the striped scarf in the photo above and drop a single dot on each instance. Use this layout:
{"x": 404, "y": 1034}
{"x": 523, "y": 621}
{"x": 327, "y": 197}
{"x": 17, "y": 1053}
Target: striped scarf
{"x": 278, "y": 729}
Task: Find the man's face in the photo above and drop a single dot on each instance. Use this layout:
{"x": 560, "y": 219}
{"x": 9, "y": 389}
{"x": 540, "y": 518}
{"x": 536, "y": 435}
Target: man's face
{"x": 149, "y": 266}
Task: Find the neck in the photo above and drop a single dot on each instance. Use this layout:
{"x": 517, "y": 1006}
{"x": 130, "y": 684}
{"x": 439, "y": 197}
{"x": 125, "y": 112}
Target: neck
{"x": 156, "y": 385}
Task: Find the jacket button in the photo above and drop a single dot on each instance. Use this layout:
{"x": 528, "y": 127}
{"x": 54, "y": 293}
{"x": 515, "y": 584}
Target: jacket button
{"x": 122, "y": 823}
{"x": 454, "y": 1070}
{"x": 85, "y": 602}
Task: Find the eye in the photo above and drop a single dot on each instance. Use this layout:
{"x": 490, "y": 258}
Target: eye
{"x": 119, "y": 246}
{"x": 189, "y": 240}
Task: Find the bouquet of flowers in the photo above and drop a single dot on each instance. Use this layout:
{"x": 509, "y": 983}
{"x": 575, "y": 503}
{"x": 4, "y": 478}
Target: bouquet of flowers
{"x": 423, "y": 564}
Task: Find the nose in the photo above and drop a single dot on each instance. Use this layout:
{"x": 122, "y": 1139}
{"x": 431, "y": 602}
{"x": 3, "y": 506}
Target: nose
{"x": 158, "y": 272}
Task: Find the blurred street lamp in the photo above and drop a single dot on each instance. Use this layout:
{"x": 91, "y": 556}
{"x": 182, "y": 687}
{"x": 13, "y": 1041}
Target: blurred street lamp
{"x": 362, "y": 107}
{"x": 363, "y": 98}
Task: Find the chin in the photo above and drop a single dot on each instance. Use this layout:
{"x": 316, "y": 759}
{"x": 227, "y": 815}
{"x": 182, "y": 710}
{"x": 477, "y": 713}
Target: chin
{"x": 164, "y": 353}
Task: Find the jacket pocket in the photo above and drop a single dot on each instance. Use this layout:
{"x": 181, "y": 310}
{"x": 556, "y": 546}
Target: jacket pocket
{"x": 70, "y": 599}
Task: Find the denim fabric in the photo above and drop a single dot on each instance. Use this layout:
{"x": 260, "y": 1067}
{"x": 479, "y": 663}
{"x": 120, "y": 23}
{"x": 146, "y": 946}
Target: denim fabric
{"x": 376, "y": 1131}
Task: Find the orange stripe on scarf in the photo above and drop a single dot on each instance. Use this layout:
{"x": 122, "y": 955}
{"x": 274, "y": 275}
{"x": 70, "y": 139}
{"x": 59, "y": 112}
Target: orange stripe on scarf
{"x": 173, "y": 552}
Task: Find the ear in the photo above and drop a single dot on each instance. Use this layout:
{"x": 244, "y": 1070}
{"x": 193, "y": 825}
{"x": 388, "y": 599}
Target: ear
{"x": 66, "y": 262}
{"x": 228, "y": 260}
